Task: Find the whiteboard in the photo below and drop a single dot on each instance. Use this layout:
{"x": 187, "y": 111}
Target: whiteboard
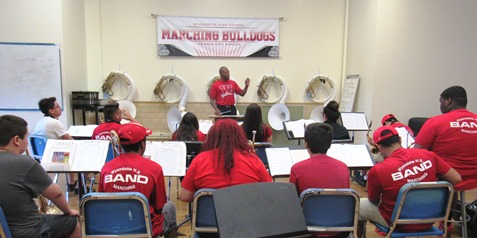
{"x": 29, "y": 72}
{"x": 348, "y": 94}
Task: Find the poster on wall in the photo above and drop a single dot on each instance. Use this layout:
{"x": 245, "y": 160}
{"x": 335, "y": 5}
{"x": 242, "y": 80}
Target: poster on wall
{"x": 217, "y": 37}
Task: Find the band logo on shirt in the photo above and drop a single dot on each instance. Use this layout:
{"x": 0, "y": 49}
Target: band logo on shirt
{"x": 466, "y": 124}
{"x": 412, "y": 168}
{"x": 132, "y": 178}
{"x": 226, "y": 90}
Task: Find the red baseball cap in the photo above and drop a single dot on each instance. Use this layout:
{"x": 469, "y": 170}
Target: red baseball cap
{"x": 387, "y": 117}
{"x": 377, "y": 137}
{"x": 132, "y": 133}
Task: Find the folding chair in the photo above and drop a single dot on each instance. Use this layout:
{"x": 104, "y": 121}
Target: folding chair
{"x": 115, "y": 214}
{"x": 4, "y": 230}
{"x": 204, "y": 222}
{"x": 330, "y": 210}
{"x": 38, "y": 145}
{"x": 421, "y": 203}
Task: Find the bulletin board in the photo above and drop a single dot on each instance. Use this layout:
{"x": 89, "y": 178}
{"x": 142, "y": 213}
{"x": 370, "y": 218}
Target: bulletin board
{"x": 29, "y": 72}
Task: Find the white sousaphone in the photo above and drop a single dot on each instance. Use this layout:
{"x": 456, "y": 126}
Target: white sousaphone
{"x": 318, "y": 84}
{"x": 167, "y": 87}
{"x": 279, "y": 112}
{"x": 121, "y": 87}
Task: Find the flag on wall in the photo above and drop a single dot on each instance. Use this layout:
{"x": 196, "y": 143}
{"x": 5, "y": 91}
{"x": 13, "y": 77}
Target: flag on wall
{"x": 217, "y": 37}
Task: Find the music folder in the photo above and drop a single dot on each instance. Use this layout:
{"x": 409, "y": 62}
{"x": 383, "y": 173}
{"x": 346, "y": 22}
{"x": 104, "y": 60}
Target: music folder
{"x": 281, "y": 159}
{"x": 354, "y": 121}
{"x": 296, "y": 129}
{"x": 74, "y": 155}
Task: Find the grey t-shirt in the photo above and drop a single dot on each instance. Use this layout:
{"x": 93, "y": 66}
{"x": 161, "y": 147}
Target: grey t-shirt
{"x": 21, "y": 180}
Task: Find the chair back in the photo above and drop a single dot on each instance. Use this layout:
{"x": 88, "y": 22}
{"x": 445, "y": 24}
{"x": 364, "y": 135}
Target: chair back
{"x": 265, "y": 210}
{"x": 38, "y": 144}
{"x": 4, "y": 230}
{"x": 203, "y": 213}
{"x": 330, "y": 210}
{"x": 422, "y": 203}
{"x": 115, "y": 214}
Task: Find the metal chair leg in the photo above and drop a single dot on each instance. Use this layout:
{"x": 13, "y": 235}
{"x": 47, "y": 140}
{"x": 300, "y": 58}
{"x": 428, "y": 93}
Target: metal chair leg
{"x": 464, "y": 214}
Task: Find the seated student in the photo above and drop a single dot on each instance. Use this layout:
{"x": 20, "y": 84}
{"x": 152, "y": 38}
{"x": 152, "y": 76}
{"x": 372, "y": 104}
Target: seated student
{"x": 392, "y": 121}
{"x": 112, "y": 121}
{"x": 331, "y": 116}
{"x": 226, "y": 160}
{"x": 385, "y": 179}
{"x": 50, "y": 127}
{"x": 21, "y": 180}
{"x": 188, "y": 129}
{"x": 252, "y": 121}
{"x": 115, "y": 176}
{"x": 320, "y": 170}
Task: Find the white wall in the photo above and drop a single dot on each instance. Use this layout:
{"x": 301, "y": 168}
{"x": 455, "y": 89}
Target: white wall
{"x": 311, "y": 39}
{"x": 411, "y": 51}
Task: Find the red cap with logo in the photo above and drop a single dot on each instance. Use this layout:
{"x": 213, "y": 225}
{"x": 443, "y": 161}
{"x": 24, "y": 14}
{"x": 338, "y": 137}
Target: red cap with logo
{"x": 132, "y": 133}
{"x": 387, "y": 117}
{"x": 378, "y": 137}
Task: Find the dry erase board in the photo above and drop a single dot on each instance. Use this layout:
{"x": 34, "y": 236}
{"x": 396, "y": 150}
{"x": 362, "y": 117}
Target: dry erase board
{"x": 29, "y": 72}
{"x": 348, "y": 94}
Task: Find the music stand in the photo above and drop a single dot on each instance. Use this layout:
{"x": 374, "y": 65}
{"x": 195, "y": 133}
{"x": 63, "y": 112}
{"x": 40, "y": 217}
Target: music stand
{"x": 267, "y": 210}
{"x": 193, "y": 149}
{"x": 260, "y": 151}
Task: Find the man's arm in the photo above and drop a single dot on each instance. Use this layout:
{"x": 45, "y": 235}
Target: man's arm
{"x": 128, "y": 116}
{"x": 419, "y": 146}
{"x": 186, "y": 195}
{"x": 56, "y": 195}
{"x": 67, "y": 137}
{"x": 214, "y": 105}
{"x": 244, "y": 90}
{"x": 452, "y": 176}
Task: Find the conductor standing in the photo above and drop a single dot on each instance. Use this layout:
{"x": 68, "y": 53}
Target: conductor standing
{"x": 222, "y": 93}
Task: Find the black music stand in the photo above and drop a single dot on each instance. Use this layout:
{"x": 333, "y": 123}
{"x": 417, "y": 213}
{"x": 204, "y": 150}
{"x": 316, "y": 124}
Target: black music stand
{"x": 260, "y": 151}
{"x": 193, "y": 149}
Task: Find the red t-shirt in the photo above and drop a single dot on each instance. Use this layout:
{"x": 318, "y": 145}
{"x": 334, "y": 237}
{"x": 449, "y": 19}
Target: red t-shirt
{"x": 385, "y": 179}
{"x": 319, "y": 171}
{"x": 453, "y": 136}
{"x": 132, "y": 173}
{"x": 102, "y": 131}
{"x": 204, "y": 172}
{"x": 200, "y": 136}
{"x": 224, "y": 92}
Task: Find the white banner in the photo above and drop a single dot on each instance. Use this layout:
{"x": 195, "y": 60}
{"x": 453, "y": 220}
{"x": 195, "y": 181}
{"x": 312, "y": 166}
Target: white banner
{"x": 217, "y": 37}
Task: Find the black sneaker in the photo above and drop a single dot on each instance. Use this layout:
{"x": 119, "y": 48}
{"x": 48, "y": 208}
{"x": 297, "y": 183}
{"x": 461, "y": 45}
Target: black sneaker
{"x": 71, "y": 187}
{"x": 360, "y": 179}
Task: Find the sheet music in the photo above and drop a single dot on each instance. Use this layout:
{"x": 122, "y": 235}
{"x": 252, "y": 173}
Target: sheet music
{"x": 171, "y": 156}
{"x": 299, "y": 155}
{"x": 406, "y": 139}
{"x": 279, "y": 160}
{"x": 205, "y": 125}
{"x": 74, "y": 155}
{"x": 57, "y": 155}
{"x": 82, "y": 131}
{"x": 354, "y": 121}
{"x": 353, "y": 155}
{"x": 90, "y": 155}
{"x": 149, "y": 152}
{"x": 298, "y": 127}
